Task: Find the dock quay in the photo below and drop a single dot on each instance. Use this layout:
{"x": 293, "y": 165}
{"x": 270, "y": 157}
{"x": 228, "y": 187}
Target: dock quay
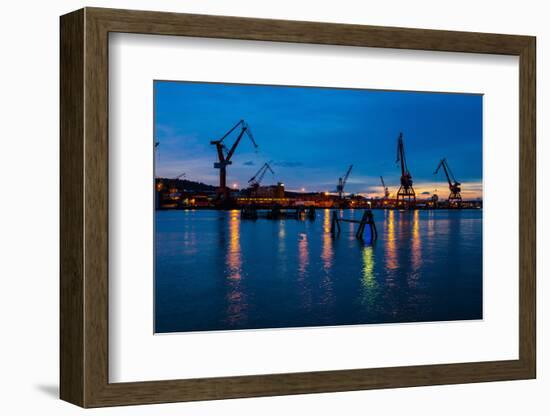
{"x": 257, "y": 199}
{"x": 278, "y": 213}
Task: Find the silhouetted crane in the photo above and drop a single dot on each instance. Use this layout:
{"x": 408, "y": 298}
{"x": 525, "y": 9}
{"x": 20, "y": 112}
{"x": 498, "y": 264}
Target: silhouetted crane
{"x": 342, "y": 183}
{"x": 181, "y": 175}
{"x": 386, "y": 191}
{"x": 256, "y": 180}
{"x": 224, "y": 155}
{"x": 405, "y": 195}
{"x": 157, "y": 156}
{"x": 455, "y": 199}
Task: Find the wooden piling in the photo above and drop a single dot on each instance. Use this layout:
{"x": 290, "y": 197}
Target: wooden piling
{"x": 366, "y": 219}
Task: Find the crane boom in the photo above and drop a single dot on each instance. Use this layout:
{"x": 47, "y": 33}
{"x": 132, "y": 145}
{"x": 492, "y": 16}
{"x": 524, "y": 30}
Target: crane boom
{"x": 386, "y": 191}
{"x": 240, "y": 122}
{"x": 443, "y": 164}
{"x": 157, "y": 155}
{"x": 342, "y": 182}
{"x": 256, "y": 180}
{"x": 450, "y": 172}
{"x": 179, "y": 176}
{"x": 347, "y": 175}
{"x": 401, "y": 155}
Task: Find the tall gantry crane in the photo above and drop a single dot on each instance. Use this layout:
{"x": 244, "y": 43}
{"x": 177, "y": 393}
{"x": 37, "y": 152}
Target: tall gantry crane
{"x": 224, "y": 155}
{"x": 386, "y": 191}
{"x": 455, "y": 199}
{"x": 342, "y": 183}
{"x": 256, "y": 180}
{"x": 405, "y": 195}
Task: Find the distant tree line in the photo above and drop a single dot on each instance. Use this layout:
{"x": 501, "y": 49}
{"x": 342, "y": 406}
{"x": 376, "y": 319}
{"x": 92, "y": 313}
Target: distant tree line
{"x": 186, "y": 185}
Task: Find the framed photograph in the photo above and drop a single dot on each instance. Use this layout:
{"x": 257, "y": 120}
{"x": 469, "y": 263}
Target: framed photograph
{"x": 257, "y": 207}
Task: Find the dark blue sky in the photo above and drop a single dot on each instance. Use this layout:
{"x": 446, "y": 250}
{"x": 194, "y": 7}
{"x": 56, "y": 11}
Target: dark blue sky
{"x": 313, "y": 134}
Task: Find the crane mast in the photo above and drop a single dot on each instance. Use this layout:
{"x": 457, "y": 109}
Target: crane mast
{"x": 224, "y": 159}
{"x": 342, "y": 183}
{"x": 455, "y": 198}
{"x": 406, "y": 196}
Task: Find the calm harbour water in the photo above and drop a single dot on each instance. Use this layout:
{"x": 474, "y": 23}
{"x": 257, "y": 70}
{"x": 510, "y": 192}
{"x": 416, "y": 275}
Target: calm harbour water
{"x": 215, "y": 271}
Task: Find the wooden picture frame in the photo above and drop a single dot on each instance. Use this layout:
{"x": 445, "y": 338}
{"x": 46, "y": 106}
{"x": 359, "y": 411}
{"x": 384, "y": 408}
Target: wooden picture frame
{"x": 84, "y": 207}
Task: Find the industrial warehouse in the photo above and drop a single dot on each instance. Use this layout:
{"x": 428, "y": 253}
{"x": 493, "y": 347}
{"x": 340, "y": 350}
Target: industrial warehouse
{"x": 182, "y": 192}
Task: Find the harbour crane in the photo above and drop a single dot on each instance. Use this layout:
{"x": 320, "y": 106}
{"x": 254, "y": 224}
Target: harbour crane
{"x": 256, "y": 180}
{"x": 386, "y": 191}
{"x": 181, "y": 175}
{"x": 157, "y": 155}
{"x": 342, "y": 183}
{"x": 405, "y": 195}
{"x": 224, "y": 155}
{"x": 455, "y": 199}
{"x": 158, "y": 182}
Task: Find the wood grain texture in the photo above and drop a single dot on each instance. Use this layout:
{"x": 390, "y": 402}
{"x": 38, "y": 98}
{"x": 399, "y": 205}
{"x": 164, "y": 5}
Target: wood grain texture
{"x": 71, "y": 213}
{"x": 84, "y": 207}
{"x": 96, "y": 208}
{"x": 162, "y": 23}
{"x": 528, "y": 207}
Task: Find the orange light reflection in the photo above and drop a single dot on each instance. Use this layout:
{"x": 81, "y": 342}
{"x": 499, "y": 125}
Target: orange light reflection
{"x": 416, "y": 248}
{"x": 303, "y": 255}
{"x": 391, "y": 247}
{"x": 235, "y": 297}
{"x": 327, "y": 253}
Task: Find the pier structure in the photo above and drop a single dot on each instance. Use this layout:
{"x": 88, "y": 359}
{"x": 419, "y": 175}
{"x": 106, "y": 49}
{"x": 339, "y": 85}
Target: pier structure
{"x": 366, "y": 219}
{"x": 278, "y": 213}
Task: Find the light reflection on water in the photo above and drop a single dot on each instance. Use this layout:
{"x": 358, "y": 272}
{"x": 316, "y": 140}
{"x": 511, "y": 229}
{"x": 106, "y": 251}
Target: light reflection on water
{"x": 304, "y": 255}
{"x": 234, "y": 261}
{"x": 236, "y": 299}
{"x": 327, "y": 253}
{"x": 305, "y": 289}
{"x": 390, "y": 242}
{"x": 369, "y": 284}
{"x": 416, "y": 248}
{"x": 216, "y": 271}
